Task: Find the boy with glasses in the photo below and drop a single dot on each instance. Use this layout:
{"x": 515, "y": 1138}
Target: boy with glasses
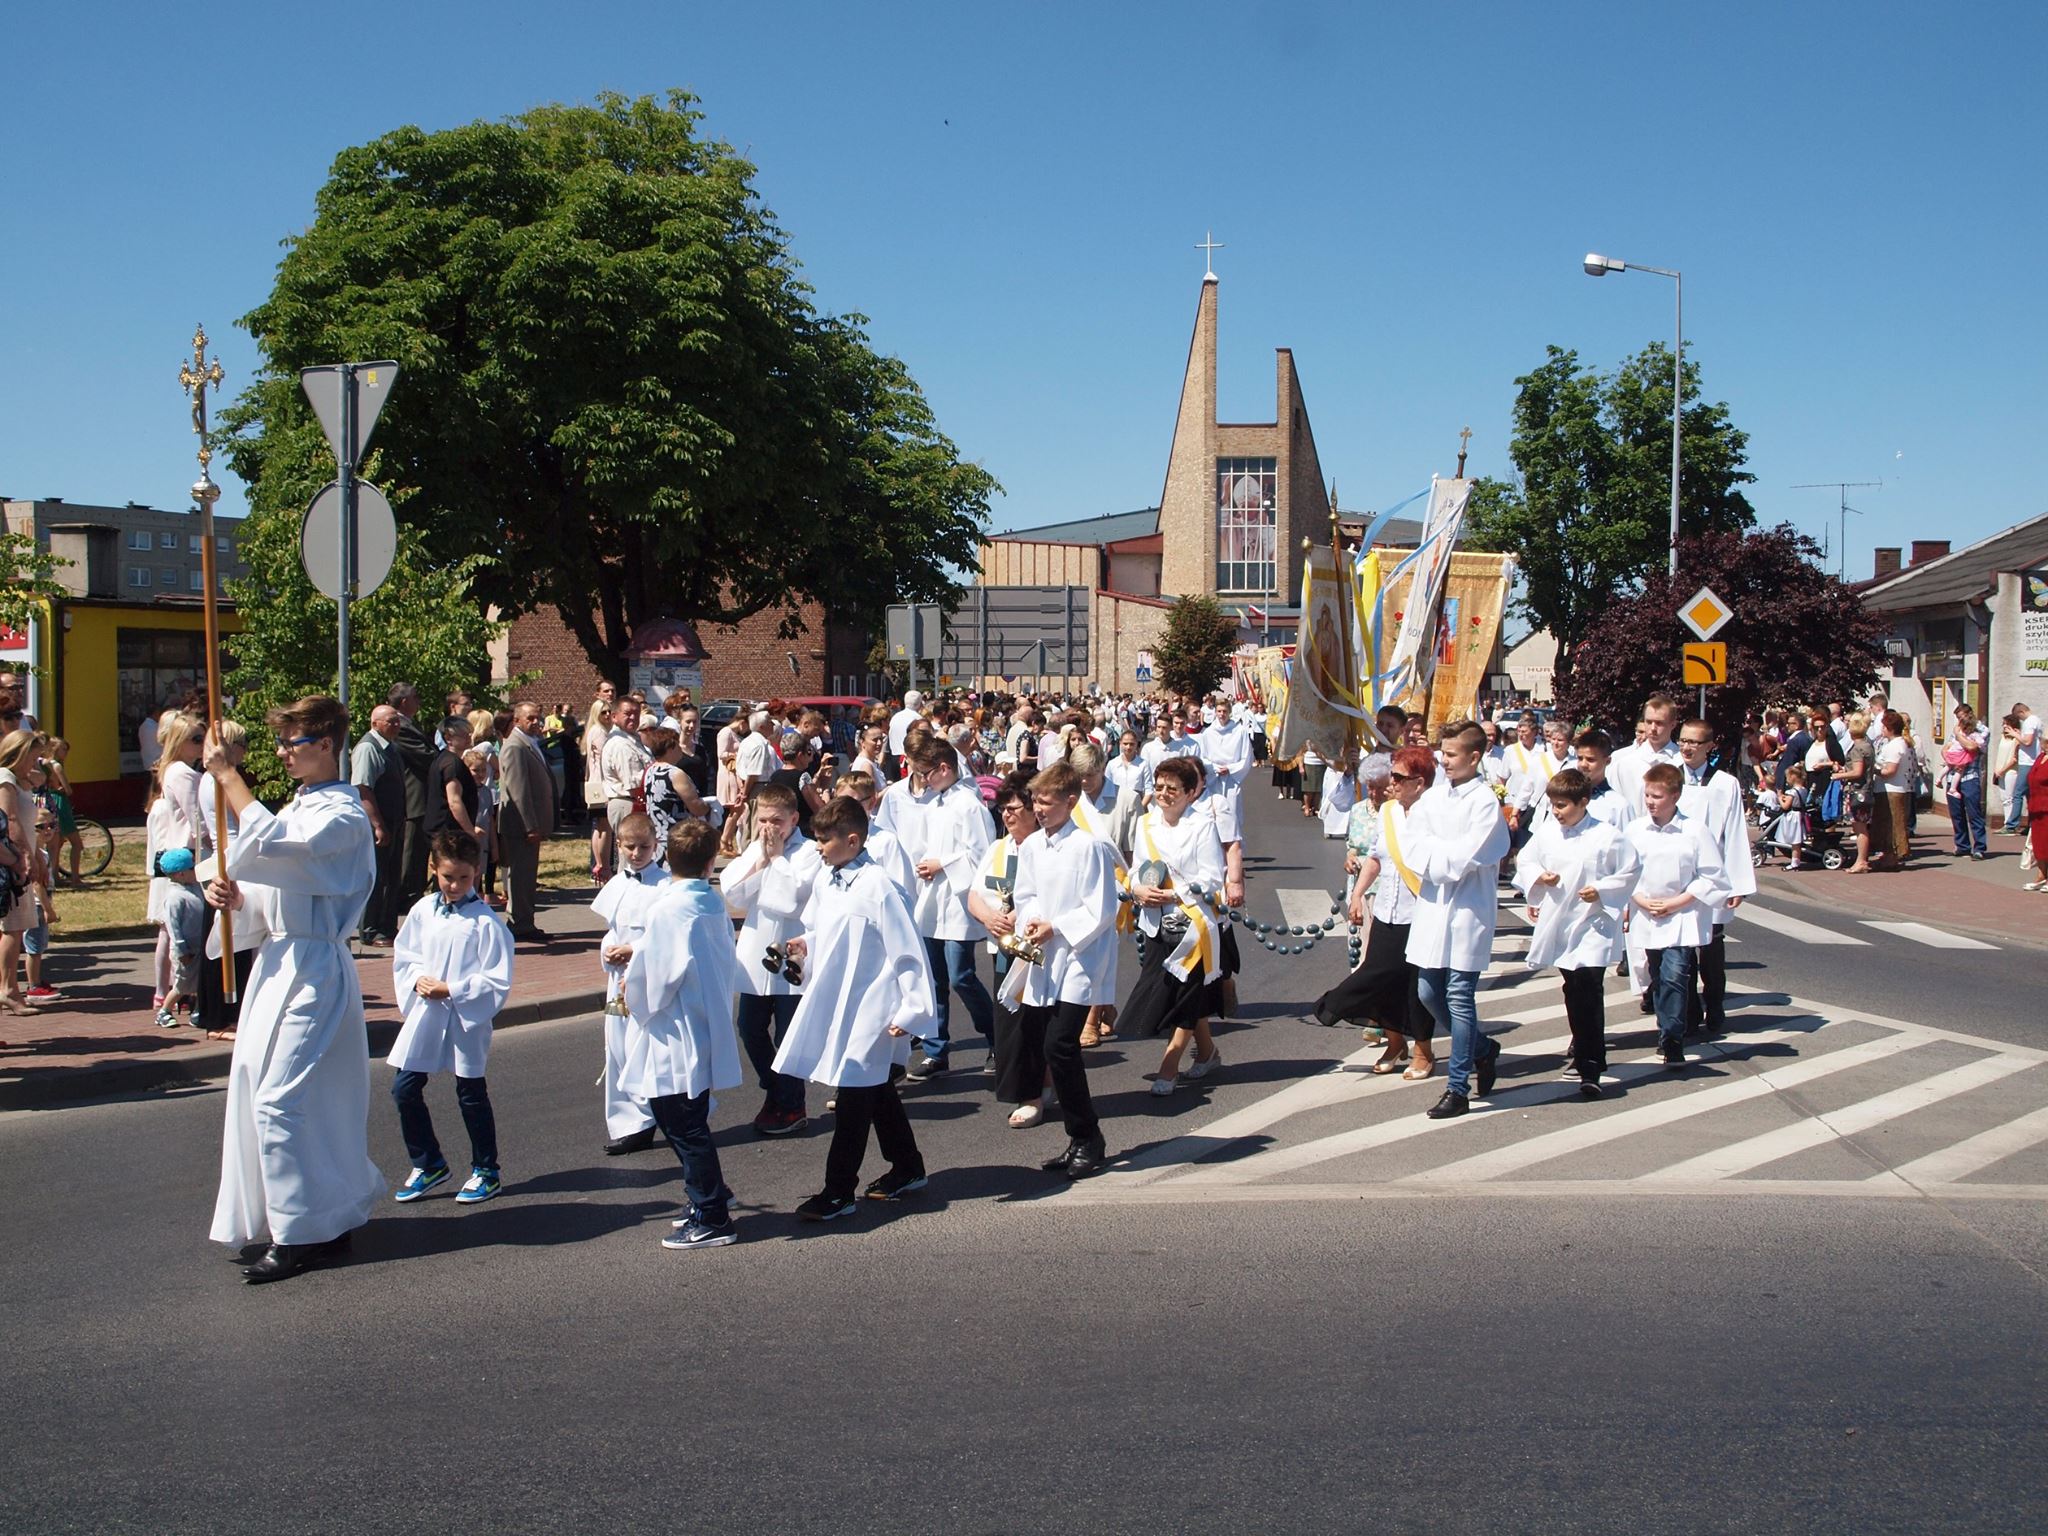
{"x": 1711, "y": 798}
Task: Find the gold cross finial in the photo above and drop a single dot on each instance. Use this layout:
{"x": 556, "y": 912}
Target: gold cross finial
{"x": 1464, "y": 441}
{"x": 196, "y": 376}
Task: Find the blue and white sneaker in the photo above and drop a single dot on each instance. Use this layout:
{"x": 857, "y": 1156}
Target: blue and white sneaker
{"x": 483, "y": 1184}
{"x": 418, "y": 1182}
{"x": 698, "y": 1234}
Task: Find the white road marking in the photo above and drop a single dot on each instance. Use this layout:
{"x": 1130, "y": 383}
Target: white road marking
{"x": 1979, "y": 1152}
{"x": 1792, "y": 927}
{"x": 1933, "y": 938}
{"x": 1308, "y": 909}
{"x": 1851, "y": 1120}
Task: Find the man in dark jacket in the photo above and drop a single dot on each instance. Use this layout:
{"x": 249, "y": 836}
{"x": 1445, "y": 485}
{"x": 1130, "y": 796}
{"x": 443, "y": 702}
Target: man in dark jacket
{"x": 377, "y": 771}
{"x": 417, "y": 754}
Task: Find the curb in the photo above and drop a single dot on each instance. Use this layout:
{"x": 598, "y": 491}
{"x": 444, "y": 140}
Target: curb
{"x": 1836, "y": 903}
{"x": 66, "y": 1086}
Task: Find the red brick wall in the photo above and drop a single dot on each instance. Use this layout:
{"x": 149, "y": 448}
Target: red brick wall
{"x": 747, "y": 660}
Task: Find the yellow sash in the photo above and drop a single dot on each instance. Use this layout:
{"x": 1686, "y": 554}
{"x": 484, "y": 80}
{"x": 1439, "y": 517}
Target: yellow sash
{"x": 1393, "y": 841}
{"x": 1198, "y": 950}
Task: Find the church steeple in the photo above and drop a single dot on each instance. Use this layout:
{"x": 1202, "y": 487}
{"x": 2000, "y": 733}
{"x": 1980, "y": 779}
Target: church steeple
{"x": 1187, "y": 504}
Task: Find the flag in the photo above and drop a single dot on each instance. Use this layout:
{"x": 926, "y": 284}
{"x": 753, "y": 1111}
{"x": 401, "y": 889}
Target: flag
{"x": 1254, "y": 613}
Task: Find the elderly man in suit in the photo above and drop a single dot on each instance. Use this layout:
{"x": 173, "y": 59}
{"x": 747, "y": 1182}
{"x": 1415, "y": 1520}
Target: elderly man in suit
{"x": 526, "y": 815}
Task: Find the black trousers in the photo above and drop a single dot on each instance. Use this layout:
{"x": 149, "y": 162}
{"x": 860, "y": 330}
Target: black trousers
{"x": 1585, "y": 1006}
{"x": 1059, "y": 1027}
{"x": 685, "y": 1121}
{"x": 383, "y": 912}
{"x": 1020, "y": 1058}
{"x": 879, "y": 1106}
{"x": 412, "y": 868}
{"x": 1713, "y": 987}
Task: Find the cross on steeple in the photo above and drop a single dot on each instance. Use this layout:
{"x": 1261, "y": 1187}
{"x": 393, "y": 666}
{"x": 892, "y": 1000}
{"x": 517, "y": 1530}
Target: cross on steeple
{"x": 1209, "y": 245}
{"x": 1464, "y": 442}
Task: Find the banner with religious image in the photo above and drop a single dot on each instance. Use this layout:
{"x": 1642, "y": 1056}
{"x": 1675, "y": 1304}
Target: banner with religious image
{"x": 1323, "y": 700}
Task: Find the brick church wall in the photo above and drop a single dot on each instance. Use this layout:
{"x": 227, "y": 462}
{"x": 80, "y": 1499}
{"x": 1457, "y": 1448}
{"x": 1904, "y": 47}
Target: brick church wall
{"x": 748, "y": 660}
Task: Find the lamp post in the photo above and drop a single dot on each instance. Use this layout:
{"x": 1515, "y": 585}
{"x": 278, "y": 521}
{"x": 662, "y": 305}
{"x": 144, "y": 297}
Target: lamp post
{"x": 1600, "y": 266}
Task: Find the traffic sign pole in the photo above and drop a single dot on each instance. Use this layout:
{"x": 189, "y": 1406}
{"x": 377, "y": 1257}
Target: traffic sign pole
{"x": 348, "y": 524}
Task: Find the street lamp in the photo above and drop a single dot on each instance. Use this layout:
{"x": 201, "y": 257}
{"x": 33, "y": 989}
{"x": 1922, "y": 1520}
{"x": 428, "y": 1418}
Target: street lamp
{"x": 1600, "y": 266}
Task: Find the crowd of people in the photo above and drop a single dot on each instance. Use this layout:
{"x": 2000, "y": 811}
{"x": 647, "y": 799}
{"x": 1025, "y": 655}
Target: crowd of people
{"x": 799, "y": 902}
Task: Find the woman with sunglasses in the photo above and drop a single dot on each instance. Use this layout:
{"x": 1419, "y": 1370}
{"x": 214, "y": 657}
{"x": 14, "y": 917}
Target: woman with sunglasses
{"x": 1383, "y": 988}
{"x": 295, "y": 1157}
{"x": 1177, "y": 873}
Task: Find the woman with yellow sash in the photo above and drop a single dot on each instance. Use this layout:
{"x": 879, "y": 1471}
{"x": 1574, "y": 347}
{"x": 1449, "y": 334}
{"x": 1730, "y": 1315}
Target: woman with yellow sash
{"x": 1383, "y": 988}
{"x": 1177, "y": 871}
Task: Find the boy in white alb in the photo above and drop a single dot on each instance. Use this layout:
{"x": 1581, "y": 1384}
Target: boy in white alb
{"x": 767, "y": 887}
{"x": 623, "y": 904}
{"x": 1712, "y": 797}
{"x": 1576, "y": 872}
{"x": 1672, "y": 908}
{"x": 883, "y": 847}
{"x": 680, "y": 1046}
{"x": 870, "y": 995}
{"x": 452, "y": 966}
{"x": 946, "y": 832}
{"x": 1066, "y": 902}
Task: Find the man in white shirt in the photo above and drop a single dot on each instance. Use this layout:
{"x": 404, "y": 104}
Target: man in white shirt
{"x": 1494, "y": 762}
{"x": 1456, "y": 840}
{"x": 1879, "y": 703}
{"x": 1530, "y": 764}
{"x": 1226, "y": 748}
{"x": 1671, "y": 913}
{"x": 1164, "y": 743}
{"x": 621, "y": 761}
{"x": 1711, "y": 798}
{"x": 911, "y": 712}
{"x": 757, "y": 755}
{"x": 1658, "y": 725}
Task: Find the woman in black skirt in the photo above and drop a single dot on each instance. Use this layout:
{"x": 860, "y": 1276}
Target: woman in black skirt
{"x": 1176, "y": 855}
{"x": 1019, "y": 1061}
{"x": 1382, "y": 989}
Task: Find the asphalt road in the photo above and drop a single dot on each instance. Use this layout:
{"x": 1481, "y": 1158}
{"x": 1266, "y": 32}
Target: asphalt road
{"x": 1000, "y": 1356}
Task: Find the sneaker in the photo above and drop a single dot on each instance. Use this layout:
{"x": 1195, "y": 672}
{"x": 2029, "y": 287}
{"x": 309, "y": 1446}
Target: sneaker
{"x": 418, "y": 1182}
{"x": 700, "y": 1234}
{"x": 1672, "y": 1053}
{"x": 895, "y": 1184}
{"x": 165, "y": 1019}
{"x": 42, "y": 991}
{"x": 927, "y": 1067}
{"x": 1570, "y": 1074}
{"x": 1589, "y": 1089}
{"x": 2031, "y": 885}
{"x": 1163, "y": 1086}
{"x": 483, "y": 1183}
{"x": 1196, "y": 1070}
{"x": 822, "y": 1207}
{"x": 781, "y": 1122}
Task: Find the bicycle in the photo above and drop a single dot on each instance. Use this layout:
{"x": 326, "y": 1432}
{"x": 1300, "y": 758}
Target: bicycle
{"x": 98, "y": 847}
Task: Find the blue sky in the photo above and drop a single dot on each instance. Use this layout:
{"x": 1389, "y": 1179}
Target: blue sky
{"x": 1012, "y": 195}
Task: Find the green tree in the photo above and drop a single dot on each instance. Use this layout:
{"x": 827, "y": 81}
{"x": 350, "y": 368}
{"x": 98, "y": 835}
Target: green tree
{"x": 1588, "y": 518}
{"x": 1798, "y": 636}
{"x": 27, "y": 579}
{"x": 1193, "y": 655}
{"x": 614, "y": 384}
{"x": 422, "y": 626}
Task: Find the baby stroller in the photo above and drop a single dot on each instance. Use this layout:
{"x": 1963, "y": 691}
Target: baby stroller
{"x": 1810, "y": 829}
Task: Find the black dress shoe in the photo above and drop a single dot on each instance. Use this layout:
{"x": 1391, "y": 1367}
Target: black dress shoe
{"x": 1086, "y": 1157}
{"x": 1059, "y": 1164}
{"x": 529, "y": 935}
{"x": 281, "y": 1261}
{"x": 1449, "y": 1107}
{"x": 1487, "y": 1070}
{"x": 639, "y": 1141}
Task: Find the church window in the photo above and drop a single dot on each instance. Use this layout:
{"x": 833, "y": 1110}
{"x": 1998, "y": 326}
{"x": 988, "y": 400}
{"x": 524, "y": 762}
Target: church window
{"x": 1246, "y": 524}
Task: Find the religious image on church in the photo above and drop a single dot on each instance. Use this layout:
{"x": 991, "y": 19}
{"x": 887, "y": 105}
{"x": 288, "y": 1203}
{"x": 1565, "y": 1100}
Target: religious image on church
{"x": 1238, "y": 499}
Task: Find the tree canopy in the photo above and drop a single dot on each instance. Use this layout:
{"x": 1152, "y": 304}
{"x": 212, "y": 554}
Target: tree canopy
{"x": 1192, "y": 656}
{"x": 1588, "y": 519}
{"x": 615, "y": 392}
{"x": 27, "y": 579}
{"x": 1799, "y": 636}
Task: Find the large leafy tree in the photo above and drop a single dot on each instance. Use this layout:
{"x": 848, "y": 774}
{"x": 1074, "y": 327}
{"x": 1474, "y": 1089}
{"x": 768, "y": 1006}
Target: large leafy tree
{"x": 27, "y": 578}
{"x": 1588, "y": 516}
{"x": 1192, "y": 655}
{"x": 1799, "y": 636}
{"x": 615, "y": 389}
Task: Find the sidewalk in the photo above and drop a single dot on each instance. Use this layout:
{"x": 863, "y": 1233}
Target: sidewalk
{"x": 1982, "y": 899}
{"x": 100, "y": 1038}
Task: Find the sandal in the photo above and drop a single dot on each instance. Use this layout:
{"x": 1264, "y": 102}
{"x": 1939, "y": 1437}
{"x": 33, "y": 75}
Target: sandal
{"x": 1416, "y": 1074}
{"x": 1388, "y": 1065}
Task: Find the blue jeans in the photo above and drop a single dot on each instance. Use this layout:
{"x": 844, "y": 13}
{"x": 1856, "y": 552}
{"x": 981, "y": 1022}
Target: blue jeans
{"x": 686, "y": 1122}
{"x": 1450, "y": 998}
{"x": 1966, "y": 814}
{"x": 757, "y": 1014}
{"x": 472, "y": 1097}
{"x": 1671, "y": 975}
{"x": 952, "y": 962}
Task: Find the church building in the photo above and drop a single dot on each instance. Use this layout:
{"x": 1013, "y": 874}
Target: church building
{"x": 1238, "y": 500}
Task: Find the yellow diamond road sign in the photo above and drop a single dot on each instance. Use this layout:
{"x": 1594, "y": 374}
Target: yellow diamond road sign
{"x": 1704, "y": 614}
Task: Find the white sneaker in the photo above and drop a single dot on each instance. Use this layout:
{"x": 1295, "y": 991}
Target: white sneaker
{"x": 1200, "y": 1069}
{"x": 1025, "y": 1116}
{"x": 2034, "y": 885}
{"x": 1162, "y": 1086}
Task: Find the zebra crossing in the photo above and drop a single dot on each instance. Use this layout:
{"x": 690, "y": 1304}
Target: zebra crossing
{"x": 1794, "y": 1098}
